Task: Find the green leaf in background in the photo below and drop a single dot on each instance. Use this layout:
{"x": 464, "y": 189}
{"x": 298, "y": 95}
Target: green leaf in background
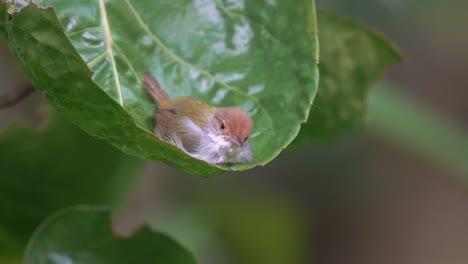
{"x": 56, "y": 166}
{"x": 83, "y": 234}
{"x": 240, "y": 227}
{"x": 10, "y": 249}
{"x": 260, "y": 229}
{"x": 213, "y": 50}
{"x": 352, "y": 57}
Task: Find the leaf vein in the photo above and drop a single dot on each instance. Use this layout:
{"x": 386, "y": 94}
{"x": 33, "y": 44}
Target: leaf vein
{"x": 81, "y": 31}
{"x": 188, "y": 64}
{"x": 127, "y": 61}
{"x": 108, "y": 40}
{"x": 262, "y": 27}
{"x": 97, "y": 58}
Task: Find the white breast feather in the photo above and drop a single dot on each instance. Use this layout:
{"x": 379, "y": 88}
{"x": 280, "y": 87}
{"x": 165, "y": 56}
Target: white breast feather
{"x": 212, "y": 148}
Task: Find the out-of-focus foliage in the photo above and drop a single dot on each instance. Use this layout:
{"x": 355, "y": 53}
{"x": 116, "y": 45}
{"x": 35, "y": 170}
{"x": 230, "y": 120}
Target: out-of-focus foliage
{"x": 83, "y": 234}
{"x": 352, "y": 57}
{"x": 407, "y": 122}
{"x": 53, "y": 167}
{"x": 242, "y": 227}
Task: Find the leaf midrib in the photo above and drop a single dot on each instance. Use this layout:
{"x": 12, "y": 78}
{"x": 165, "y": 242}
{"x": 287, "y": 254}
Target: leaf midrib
{"x": 108, "y": 41}
{"x": 184, "y": 62}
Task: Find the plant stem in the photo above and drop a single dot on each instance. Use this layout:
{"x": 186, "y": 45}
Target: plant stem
{"x": 419, "y": 129}
{"x": 16, "y": 95}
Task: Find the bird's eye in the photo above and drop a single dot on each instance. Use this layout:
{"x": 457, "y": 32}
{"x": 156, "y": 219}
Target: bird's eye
{"x": 223, "y": 126}
{"x": 245, "y": 139}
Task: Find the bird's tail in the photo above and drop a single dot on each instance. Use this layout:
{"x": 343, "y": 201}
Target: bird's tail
{"x": 155, "y": 90}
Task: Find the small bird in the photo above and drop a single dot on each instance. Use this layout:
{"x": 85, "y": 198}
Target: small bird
{"x": 215, "y": 135}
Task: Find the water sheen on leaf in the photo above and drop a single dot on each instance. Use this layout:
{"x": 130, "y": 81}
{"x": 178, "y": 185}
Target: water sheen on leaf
{"x": 83, "y": 234}
{"x": 89, "y": 61}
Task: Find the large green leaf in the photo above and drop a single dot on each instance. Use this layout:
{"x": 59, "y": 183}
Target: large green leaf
{"x": 56, "y": 166}
{"x": 89, "y": 61}
{"x": 83, "y": 234}
{"x": 352, "y": 57}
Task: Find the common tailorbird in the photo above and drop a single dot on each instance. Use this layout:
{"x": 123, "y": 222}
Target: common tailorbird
{"x": 215, "y": 135}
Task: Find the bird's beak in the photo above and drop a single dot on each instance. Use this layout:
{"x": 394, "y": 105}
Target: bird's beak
{"x": 237, "y": 141}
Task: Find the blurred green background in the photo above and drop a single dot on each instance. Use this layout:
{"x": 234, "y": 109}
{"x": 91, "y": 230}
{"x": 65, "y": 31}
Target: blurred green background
{"x": 393, "y": 191}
